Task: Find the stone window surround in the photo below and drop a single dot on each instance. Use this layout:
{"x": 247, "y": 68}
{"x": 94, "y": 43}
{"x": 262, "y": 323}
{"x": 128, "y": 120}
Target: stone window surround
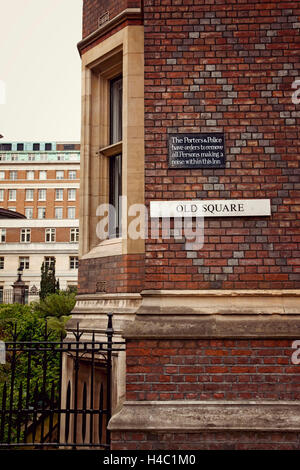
{"x": 122, "y": 53}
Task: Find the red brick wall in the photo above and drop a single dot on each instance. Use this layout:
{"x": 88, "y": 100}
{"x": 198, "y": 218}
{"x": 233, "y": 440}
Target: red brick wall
{"x": 211, "y": 369}
{"x": 120, "y": 273}
{"x": 206, "y": 441}
{"x": 94, "y": 9}
{"x": 225, "y": 66}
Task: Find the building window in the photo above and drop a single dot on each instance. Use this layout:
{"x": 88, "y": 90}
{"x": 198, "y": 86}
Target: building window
{"x": 42, "y": 194}
{"x": 72, "y": 175}
{"x": 60, "y": 174}
{"x": 20, "y": 147}
{"x": 1, "y": 194}
{"x": 73, "y": 262}
{"x": 29, "y": 212}
{"x": 49, "y": 261}
{"x": 24, "y": 262}
{"x": 13, "y": 175}
{"x": 50, "y": 235}
{"x": 115, "y": 161}
{"x": 116, "y": 110}
{"x": 43, "y": 175}
{"x": 74, "y": 235}
{"x": 71, "y": 212}
{"x": 2, "y": 175}
{"x": 41, "y": 212}
{"x": 36, "y": 147}
{"x": 58, "y": 212}
{"x": 12, "y": 194}
{"x": 2, "y": 262}
{"x": 30, "y": 175}
{"x": 2, "y": 235}
{"x": 59, "y": 194}
{"x": 48, "y": 147}
{"x": 71, "y": 194}
{"x": 115, "y": 192}
{"x": 29, "y": 194}
{"x": 25, "y": 235}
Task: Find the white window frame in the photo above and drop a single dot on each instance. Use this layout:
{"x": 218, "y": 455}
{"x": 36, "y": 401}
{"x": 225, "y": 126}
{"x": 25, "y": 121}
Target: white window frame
{"x": 73, "y": 210}
{"x": 27, "y": 192}
{"x": 25, "y": 260}
{"x": 59, "y": 172}
{"x": 2, "y": 235}
{"x": 61, "y": 209}
{"x": 30, "y": 175}
{"x": 1, "y": 194}
{"x": 12, "y": 192}
{"x": 27, "y": 209}
{"x": 72, "y": 174}
{"x": 44, "y": 192}
{"x": 44, "y": 212}
{"x": 2, "y": 175}
{"x": 25, "y": 235}
{"x": 74, "y": 234}
{"x": 50, "y": 235}
{"x": 59, "y": 194}
{"x": 72, "y": 194}
{"x": 44, "y": 173}
{"x": 13, "y": 175}
{"x": 73, "y": 262}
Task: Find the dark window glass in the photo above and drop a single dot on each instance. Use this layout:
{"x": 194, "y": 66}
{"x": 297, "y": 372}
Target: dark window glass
{"x": 69, "y": 147}
{"x": 116, "y": 110}
{"x": 115, "y": 191}
{"x": 36, "y": 147}
{"x": 48, "y": 146}
{"x": 20, "y": 147}
{"x": 5, "y": 147}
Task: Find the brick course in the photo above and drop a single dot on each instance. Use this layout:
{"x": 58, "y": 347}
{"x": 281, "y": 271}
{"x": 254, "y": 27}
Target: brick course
{"x": 120, "y": 274}
{"x": 225, "y": 66}
{"x": 211, "y": 369}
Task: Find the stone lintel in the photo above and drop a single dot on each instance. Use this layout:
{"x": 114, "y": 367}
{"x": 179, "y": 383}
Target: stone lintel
{"x": 196, "y": 416}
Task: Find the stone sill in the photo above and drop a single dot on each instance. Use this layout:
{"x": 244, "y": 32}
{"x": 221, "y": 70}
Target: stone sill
{"x": 196, "y": 416}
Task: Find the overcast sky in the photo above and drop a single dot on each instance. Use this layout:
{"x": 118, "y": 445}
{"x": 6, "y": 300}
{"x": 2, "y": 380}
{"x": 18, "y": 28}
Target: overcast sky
{"x": 40, "y": 70}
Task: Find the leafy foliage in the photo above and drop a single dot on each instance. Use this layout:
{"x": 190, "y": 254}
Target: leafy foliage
{"x": 49, "y": 284}
{"x": 56, "y": 308}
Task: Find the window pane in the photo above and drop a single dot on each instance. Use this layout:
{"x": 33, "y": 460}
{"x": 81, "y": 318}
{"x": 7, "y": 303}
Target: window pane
{"x": 41, "y": 212}
{"x": 42, "y": 194}
{"x": 43, "y": 175}
{"x": 60, "y": 175}
{"x": 58, "y": 212}
{"x": 29, "y": 194}
{"x": 115, "y": 191}
{"x": 29, "y": 212}
{"x": 71, "y": 212}
{"x": 116, "y": 110}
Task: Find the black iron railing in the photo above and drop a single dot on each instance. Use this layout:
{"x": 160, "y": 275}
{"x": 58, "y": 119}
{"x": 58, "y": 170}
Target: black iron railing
{"x": 58, "y": 393}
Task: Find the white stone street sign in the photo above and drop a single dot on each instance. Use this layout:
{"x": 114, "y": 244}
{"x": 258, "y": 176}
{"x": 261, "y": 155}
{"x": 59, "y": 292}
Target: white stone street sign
{"x": 215, "y": 208}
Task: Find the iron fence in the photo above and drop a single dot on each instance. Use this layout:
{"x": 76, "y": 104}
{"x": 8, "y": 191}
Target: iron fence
{"x": 57, "y": 394}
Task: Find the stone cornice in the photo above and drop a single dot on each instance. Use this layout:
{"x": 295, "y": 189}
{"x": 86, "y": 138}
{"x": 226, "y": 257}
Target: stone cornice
{"x": 125, "y": 15}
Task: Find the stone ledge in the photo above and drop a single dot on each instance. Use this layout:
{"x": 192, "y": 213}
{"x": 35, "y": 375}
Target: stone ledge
{"x": 240, "y": 302}
{"x": 194, "y": 416}
{"x": 214, "y": 326}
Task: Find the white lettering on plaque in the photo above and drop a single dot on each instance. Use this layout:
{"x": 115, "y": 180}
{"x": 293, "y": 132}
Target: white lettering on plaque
{"x": 216, "y": 208}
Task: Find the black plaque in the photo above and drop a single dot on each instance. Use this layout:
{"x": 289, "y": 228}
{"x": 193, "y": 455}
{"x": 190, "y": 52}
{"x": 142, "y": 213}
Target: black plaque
{"x": 197, "y": 150}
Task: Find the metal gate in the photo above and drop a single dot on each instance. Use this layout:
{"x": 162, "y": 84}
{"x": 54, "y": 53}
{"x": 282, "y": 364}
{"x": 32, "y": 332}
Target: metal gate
{"x": 62, "y": 398}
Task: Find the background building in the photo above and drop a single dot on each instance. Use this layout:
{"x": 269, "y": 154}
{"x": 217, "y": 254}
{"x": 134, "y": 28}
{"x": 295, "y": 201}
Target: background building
{"x": 41, "y": 181}
{"x": 209, "y": 329}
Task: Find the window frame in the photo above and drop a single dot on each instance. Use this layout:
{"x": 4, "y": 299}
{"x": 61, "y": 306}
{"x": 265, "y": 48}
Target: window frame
{"x": 26, "y": 234}
{"x": 51, "y": 232}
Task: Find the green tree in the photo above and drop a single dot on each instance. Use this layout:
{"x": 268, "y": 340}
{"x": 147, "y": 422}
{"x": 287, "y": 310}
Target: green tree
{"x": 56, "y": 309}
{"x": 49, "y": 284}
